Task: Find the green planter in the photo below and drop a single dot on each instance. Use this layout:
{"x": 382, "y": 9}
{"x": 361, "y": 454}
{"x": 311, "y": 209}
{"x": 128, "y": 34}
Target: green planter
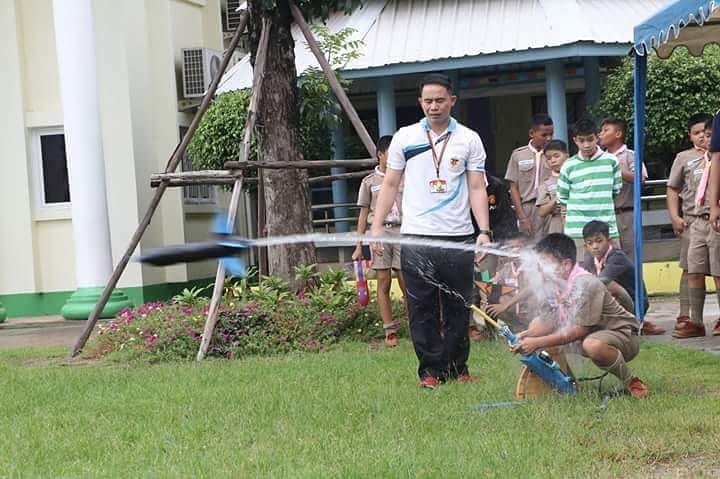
{"x": 3, "y": 313}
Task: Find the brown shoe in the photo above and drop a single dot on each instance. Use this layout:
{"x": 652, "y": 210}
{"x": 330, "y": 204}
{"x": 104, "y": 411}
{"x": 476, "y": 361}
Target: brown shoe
{"x": 391, "y": 340}
{"x": 651, "y": 329}
{"x": 689, "y": 330}
{"x": 680, "y": 321}
{"x": 637, "y": 389}
{"x": 716, "y": 329}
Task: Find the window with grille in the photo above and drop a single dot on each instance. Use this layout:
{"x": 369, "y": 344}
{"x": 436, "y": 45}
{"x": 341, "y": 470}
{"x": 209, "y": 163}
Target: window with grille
{"x": 195, "y": 194}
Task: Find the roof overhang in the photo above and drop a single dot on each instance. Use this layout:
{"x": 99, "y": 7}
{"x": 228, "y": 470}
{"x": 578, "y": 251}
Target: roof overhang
{"x": 689, "y": 23}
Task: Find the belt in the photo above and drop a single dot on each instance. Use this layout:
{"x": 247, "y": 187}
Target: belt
{"x": 623, "y": 209}
{"x": 704, "y": 216}
{"x": 390, "y": 225}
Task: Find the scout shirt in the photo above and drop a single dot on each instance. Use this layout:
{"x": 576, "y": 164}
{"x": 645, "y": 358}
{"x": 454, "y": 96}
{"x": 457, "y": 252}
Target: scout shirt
{"x": 425, "y": 212}
{"x": 369, "y": 193}
{"x": 587, "y": 188}
{"x": 522, "y": 170}
{"x": 596, "y": 309}
{"x": 547, "y": 193}
{"x": 685, "y": 176}
{"x": 624, "y": 200}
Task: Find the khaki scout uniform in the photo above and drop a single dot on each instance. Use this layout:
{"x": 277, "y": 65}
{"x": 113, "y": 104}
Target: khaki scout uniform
{"x": 704, "y": 247}
{"x": 685, "y": 176}
{"x": 624, "y": 204}
{"x": 522, "y": 170}
{"x": 367, "y": 198}
{"x": 547, "y": 193}
{"x": 608, "y": 322}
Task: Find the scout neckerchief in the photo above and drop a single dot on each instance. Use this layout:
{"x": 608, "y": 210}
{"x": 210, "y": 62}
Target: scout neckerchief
{"x": 538, "y": 159}
{"x": 702, "y": 188}
{"x": 562, "y": 296}
{"x": 600, "y": 263}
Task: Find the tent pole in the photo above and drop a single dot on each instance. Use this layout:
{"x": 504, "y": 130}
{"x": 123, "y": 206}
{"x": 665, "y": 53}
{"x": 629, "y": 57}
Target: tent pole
{"x": 640, "y": 84}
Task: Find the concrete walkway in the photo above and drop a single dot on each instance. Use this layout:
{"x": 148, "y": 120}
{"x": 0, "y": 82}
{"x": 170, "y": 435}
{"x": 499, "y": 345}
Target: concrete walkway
{"x": 48, "y": 331}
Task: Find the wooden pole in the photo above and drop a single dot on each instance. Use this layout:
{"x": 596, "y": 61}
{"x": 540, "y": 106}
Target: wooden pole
{"x": 258, "y": 74}
{"x": 172, "y": 164}
{"x": 281, "y": 165}
{"x": 332, "y": 79}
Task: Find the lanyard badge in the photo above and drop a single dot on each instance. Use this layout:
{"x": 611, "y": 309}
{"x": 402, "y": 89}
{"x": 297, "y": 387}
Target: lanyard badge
{"x": 438, "y": 185}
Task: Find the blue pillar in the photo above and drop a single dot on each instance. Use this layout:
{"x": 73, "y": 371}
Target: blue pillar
{"x": 387, "y": 122}
{"x": 555, "y": 89}
{"x": 339, "y": 187}
{"x": 640, "y": 83}
{"x": 592, "y": 80}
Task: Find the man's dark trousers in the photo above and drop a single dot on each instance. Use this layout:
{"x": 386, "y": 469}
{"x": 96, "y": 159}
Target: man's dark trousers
{"x": 442, "y": 355}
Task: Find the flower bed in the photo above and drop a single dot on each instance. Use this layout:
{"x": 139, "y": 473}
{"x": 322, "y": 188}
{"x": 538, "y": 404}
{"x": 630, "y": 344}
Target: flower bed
{"x": 268, "y": 319}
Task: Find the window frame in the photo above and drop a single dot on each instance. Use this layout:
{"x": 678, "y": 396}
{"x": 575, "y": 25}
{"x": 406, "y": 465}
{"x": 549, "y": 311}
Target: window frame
{"x": 41, "y": 206}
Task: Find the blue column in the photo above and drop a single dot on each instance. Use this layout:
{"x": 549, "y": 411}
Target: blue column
{"x": 387, "y": 122}
{"x": 555, "y": 90}
{"x": 640, "y": 83}
{"x": 592, "y": 80}
{"x": 339, "y": 187}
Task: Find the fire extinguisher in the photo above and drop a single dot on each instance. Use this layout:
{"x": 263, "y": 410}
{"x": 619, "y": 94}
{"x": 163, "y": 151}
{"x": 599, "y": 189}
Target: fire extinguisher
{"x": 361, "y": 284}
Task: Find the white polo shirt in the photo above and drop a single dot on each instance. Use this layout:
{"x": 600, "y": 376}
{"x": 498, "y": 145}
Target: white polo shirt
{"x": 436, "y": 214}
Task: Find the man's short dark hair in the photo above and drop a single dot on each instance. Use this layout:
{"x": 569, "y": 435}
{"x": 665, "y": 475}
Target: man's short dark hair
{"x": 585, "y": 127}
{"x": 556, "y": 145}
{"x": 709, "y": 123}
{"x": 558, "y": 245}
{"x": 383, "y": 143}
{"x": 541, "y": 119}
{"x": 698, "y": 118}
{"x": 596, "y": 227}
{"x": 618, "y": 123}
{"x": 436, "y": 79}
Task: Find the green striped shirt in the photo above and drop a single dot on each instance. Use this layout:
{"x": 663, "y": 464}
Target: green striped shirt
{"x": 587, "y": 188}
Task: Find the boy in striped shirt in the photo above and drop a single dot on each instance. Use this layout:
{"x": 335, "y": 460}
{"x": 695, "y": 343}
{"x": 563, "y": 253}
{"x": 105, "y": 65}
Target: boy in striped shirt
{"x": 588, "y": 183}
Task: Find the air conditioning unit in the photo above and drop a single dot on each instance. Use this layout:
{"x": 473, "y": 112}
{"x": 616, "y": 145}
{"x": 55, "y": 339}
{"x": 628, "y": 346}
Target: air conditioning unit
{"x": 231, "y": 15}
{"x": 200, "y": 67}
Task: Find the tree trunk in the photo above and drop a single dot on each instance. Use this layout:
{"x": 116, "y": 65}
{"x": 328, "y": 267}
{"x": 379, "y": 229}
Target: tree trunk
{"x": 287, "y": 197}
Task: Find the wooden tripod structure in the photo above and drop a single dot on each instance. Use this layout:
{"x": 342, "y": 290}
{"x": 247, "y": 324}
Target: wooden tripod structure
{"x": 234, "y": 170}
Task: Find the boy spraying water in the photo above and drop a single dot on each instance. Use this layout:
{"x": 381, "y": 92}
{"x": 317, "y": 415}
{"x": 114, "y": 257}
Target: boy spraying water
{"x": 583, "y": 311}
{"x": 556, "y": 153}
{"x": 390, "y": 259}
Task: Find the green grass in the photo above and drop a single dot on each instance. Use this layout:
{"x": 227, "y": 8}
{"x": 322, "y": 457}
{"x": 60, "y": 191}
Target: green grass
{"x": 349, "y": 412}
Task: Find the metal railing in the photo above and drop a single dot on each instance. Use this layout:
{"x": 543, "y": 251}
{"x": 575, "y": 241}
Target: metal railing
{"x": 327, "y": 222}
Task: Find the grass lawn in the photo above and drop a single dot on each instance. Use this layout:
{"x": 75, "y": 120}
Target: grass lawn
{"x": 349, "y": 412}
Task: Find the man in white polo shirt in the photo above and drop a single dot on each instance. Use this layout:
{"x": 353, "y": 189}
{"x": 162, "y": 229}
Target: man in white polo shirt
{"x": 443, "y": 163}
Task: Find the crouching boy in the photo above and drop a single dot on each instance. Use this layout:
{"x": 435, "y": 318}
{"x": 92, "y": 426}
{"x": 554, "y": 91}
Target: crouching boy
{"x": 584, "y": 311}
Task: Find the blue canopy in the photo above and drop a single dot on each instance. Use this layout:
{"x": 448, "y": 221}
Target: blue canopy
{"x": 662, "y": 31}
{"x": 693, "y": 24}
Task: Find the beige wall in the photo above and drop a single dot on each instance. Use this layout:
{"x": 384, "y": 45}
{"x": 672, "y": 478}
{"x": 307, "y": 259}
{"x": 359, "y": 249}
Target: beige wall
{"x": 138, "y": 45}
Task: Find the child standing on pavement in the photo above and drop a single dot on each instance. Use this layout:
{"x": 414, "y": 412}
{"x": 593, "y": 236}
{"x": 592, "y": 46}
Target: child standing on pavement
{"x": 588, "y": 183}
{"x": 612, "y": 138}
{"x": 390, "y": 259}
{"x": 525, "y": 173}
{"x": 682, "y": 186}
{"x": 556, "y": 153}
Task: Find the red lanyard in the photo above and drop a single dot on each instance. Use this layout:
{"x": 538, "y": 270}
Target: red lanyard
{"x": 437, "y": 160}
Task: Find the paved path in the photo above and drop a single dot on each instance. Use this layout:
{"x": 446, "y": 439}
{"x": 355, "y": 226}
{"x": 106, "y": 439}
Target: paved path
{"x": 55, "y": 331}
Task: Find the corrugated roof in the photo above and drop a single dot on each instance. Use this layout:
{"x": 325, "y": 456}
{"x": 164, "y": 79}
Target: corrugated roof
{"x": 415, "y": 31}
